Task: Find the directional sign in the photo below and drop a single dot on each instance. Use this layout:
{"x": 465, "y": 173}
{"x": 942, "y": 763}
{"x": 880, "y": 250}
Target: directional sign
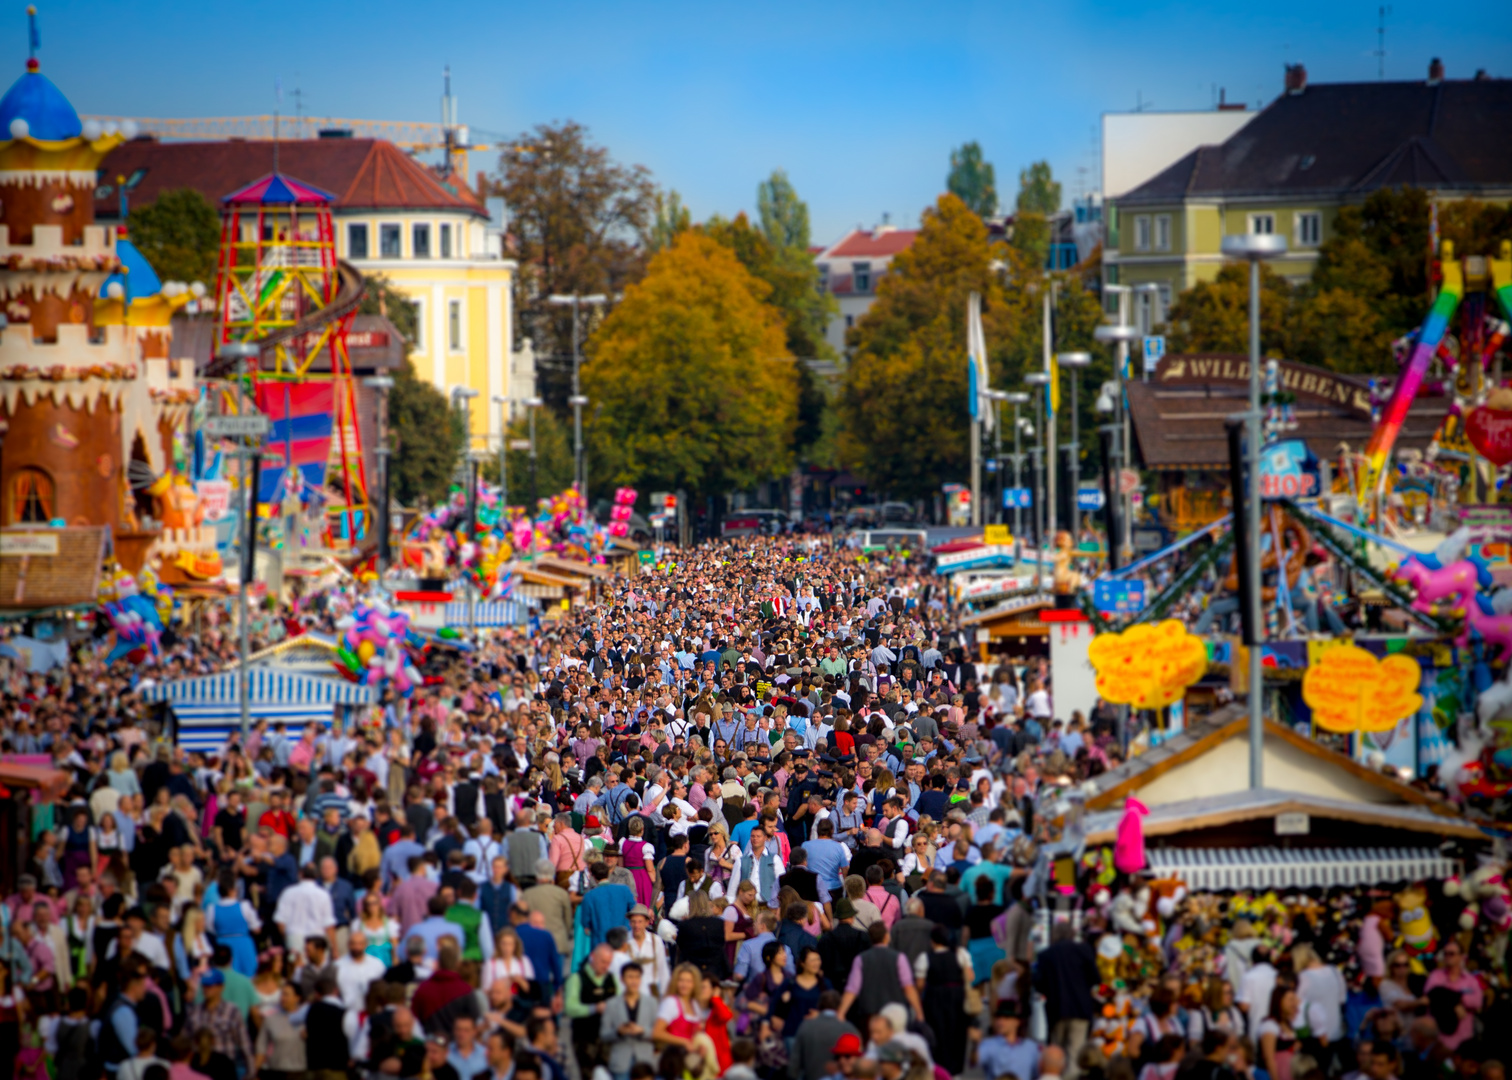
{"x": 1021, "y": 497}
{"x": 253, "y": 426}
{"x": 1154, "y": 349}
{"x": 1119, "y": 597}
{"x": 1089, "y": 499}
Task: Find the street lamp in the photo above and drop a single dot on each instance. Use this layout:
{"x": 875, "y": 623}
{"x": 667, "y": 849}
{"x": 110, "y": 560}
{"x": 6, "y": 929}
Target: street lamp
{"x": 1121, "y": 335}
{"x": 242, "y": 353}
{"x": 382, "y": 384}
{"x": 1076, "y": 361}
{"x": 1255, "y": 248}
{"x": 502, "y": 401}
{"x": 577, "y": 401}
{"x": 1039, "y": 380}
{"x": 531, "y": 405}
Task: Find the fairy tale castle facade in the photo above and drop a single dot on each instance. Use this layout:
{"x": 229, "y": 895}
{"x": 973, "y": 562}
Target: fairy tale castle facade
{"x": 86, "y": 383}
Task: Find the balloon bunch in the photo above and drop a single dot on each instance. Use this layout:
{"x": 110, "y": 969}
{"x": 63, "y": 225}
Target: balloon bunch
{"x": 372, "y": 648}
{"x": 619, "y": 516}
{"x": 135, "y": 619}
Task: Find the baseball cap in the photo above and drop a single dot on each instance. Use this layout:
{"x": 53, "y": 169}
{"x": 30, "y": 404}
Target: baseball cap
{"x": 213, "y": 978}
{"x": 847, "y": 1045}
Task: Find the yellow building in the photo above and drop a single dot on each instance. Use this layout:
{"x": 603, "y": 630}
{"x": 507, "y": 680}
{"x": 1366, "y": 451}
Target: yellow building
{"x": 431, "y": 238}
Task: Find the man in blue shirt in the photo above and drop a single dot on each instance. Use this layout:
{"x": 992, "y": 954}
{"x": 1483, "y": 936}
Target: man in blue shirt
{"x": 828, "y": 858}
{"x": 605, "y": 906}
{"x": 394, "y": 866}
{"x": 540, "y": 949}
{"x": 1004, "y": 1053}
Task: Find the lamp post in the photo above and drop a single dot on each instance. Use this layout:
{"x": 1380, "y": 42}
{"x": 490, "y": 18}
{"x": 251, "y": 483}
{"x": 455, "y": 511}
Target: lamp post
{"x": 1076, "y": 361}
{"x": 531, "y": 405}
{"x": 1255, "y": 248}
{"x": 1016, "y": 398}
{"x": 577, "y": 401}
{"x": 1040, "y": 380}
{"x": 382, "y": 384}
{"x": 1148, "y": 291}
{"x": 1122, "y": 334}
{"x": 503, "y": 403}
{"x": 244, "y": 353}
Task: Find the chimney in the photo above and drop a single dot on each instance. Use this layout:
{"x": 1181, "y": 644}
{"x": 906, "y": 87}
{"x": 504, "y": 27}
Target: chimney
{"x": 1435, "y": 71}
{"x": 1296, "y": 78}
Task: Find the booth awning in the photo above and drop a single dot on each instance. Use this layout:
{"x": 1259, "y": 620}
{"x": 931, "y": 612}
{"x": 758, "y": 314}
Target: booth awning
{"x": 1218, "y": 869}
{"x": 485, "y": 613}
{"x": 209, "y": 708}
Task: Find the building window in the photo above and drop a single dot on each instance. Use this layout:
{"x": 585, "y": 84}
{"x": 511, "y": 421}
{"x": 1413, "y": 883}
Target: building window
{"x": 420, "y": 240}
{"x": 389, "y": 242}
{"x": 1309, "y": 230}
{"x": 862, "y": 279}
{"x": 31, "y": 501}
{"x": 1142, "y": 232}
{"x": 446, "y": 241}
{"x": 357, "y": 242}
{"x": 1162, "y": 232}
{"x": 454, "y": 325}
{"x": 1262, "y": 224}
{"x": 422, "y": 335}
{"x": 850, "y": 321}
{"x": 824, "y": 277}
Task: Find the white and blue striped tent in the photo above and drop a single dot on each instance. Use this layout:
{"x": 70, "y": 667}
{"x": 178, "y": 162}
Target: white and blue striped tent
{"x": 486, "y": 613}
{"x": 208, "y": 709}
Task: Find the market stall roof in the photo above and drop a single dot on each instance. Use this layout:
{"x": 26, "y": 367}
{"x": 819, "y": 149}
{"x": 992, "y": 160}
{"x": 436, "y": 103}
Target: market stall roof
{"x": 52, "y": 784}
{"x": 1211, "y": 758}
{"x": 1215, "y": 811}
{"x": 1179, "y": 415}
{"x": 51, "y": 568}
{"x": 554, "y": 565}
{"x": 209, "y": 711}
{"x": 1299, "y": 868}
{"x": 1016, "y": 617}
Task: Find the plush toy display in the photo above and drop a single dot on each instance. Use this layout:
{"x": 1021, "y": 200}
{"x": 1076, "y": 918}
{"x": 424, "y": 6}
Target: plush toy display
{"x": 1418, "y": 932}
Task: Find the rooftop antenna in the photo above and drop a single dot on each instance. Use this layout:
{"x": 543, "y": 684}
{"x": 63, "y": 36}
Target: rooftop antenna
{"x": 1380, "y": 51}
{"x": 298, "y": 107}
{"x": 277, "y": 107}
{"x": 448, "y": 118}
{"x": 33, "y": 38}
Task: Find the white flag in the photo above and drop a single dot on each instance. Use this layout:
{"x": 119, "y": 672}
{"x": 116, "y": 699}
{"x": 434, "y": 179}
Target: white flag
{"x": 976, "y": 353}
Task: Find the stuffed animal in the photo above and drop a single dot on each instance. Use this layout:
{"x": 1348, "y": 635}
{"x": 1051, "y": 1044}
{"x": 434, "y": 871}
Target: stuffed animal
{"x": 1486, "y": 898}
{"x": 1418, "y": 933}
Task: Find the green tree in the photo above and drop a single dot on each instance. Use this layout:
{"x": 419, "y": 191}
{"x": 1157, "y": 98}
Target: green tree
{"x": 179, "y": 235}
{"x": 582, "y": 222}
{"x": 1213, "y": 316}
{"x": 903, "y": 404}
{"x": 553, "y": 443}
{"x": 427, "y": 433}
{"x": 691, "y": 377}
{"x": 784, "y": 216}
{"x": 672, "y": 217}
{"x": 973, "y": 180}
{"x": 1038, "y": 200}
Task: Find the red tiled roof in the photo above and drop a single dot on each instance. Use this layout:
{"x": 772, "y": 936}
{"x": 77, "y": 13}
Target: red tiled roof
{"x": 876, "y": 244}
{"x": 363, "y": 173}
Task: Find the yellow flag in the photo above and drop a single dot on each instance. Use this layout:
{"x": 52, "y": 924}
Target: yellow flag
{"x": 1054, "y": 384}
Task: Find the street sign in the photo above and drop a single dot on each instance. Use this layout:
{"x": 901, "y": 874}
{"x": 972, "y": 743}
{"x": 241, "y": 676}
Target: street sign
{"x": 249, "y": 426}
{"x": 990, "y": 465}
{"x": 1089, "y": 499}
{"x": 1119, "y": 597}
{"x": 1154, "y": 349}
{"x": 519, "y": 444}
{"x": 997, "y": 534}
{"x": 1020, "y": 497}
{"x": 1128, "y": 481}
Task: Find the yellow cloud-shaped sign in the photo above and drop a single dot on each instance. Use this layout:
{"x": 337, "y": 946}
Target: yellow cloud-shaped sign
{"x": 1147, "y": 666}
{"x": 1348, "y": 689}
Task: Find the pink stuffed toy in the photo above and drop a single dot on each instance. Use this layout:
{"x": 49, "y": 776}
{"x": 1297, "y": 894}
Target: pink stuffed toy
{"x": 1129, "y": 850}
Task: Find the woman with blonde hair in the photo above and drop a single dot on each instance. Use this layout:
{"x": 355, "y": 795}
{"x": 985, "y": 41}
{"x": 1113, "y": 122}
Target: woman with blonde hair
{"x": 122, "y": 777}
{"x": 190, "y": 944}
{"x": 680, "y": 1017}
{"x": 509, "y": 963}
{"x": 382, "y": 932}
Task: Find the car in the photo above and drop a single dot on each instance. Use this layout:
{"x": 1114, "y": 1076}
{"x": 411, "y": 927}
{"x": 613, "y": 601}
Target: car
{"x": 888, "y": 539}
{"x": 898, "y": 512}
{"x": 756, "y": 522}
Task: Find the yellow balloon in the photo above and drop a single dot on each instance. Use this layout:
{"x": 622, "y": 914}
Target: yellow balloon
{"x": 365, "y": 651}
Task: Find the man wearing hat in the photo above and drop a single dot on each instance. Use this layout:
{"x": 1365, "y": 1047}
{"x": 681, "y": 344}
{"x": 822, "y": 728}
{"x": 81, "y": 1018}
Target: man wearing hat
{"x": 646, "y": 949}
{"x": 839, "y": 947}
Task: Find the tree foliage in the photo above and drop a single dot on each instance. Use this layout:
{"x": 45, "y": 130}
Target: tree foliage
{"x": 784, "y": 216}
{"x": 691, "y": 376}
{"x": 582, "y": 222}
{"x": 179, "y": 235}
{"x": 1213, "y": 316}
{"x": 672, "y": 217}
{"x": 1039, "y": 191}
{"x": 553, "y": 441}
{"x": 427, "y": 434}
{"x": 973, "y": 180}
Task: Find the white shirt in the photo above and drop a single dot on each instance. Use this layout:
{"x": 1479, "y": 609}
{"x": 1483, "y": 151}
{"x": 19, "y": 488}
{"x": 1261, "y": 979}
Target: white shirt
{"x": 353, "y": 977}
{"x": 651, "y": 955}
{"x": 304, "y": 910}
{"x": 1039, "y": 705}
{"x": 1255, "y": 993}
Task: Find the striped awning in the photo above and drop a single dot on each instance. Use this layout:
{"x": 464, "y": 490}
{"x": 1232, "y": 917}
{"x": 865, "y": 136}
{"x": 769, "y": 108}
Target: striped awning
{"x": 208, "y": 708}
{"x": 486, "y": 613}
{"x": 1220, "y": 869}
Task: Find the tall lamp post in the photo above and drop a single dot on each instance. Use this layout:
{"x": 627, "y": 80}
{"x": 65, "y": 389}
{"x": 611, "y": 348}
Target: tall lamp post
{"x": 1039, "y": 380}
{"x": 383, "y": 384}
{"x": 503, "y": 403}
{"x": 1075, "y": 362}
{"x": 531, "y": 405}
{"x": 1121, "y": 335}
{"x": 577, "y": 401}
{"x": 243, "y": 353}
{"x": 1256, "y": 248}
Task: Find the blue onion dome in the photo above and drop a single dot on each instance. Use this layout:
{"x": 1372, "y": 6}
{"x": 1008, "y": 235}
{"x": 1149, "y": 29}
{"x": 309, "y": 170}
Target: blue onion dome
{"x": 34, "y": 107}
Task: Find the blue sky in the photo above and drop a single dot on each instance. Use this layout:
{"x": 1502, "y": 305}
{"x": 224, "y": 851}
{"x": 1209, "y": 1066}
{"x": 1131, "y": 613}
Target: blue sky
{"x": 860, "y": 102}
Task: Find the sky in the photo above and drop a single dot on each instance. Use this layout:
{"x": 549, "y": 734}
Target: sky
{"x": 861, "y": 103}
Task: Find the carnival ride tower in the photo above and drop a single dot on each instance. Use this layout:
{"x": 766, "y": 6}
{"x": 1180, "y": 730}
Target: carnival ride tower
{"x": 280, "y": 286}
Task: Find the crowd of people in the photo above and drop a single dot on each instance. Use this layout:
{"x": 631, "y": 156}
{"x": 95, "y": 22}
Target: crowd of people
{"x": 759, "y": 813}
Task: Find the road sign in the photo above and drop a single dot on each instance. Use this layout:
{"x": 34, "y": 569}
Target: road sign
{"x": 1154, "y": 349}
{"x": 250, "y": 426}
{"x": 1089, "y": 499}
{"x": 1128, "y": 481}
{"x": 519, "y": 444}
{"x": 1119, "y": 597}
{"x": 1020, "y": 497}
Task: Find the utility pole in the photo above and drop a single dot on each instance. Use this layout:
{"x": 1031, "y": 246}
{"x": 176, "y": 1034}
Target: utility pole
{"x": 577, "y": 400}
{"x": 1048, "y": 347}
{"x": 1074, "y": 361}
{"x": 382, "y": 384}
{"x": 1040, "y": 381}
{"x": 531, "y": 405}
{"x": 502, "y": 401}
{"x": 251, "y": 456}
